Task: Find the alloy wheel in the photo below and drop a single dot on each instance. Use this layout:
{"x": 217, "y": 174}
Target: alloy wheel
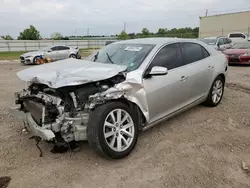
{"x": 119, "y": 130}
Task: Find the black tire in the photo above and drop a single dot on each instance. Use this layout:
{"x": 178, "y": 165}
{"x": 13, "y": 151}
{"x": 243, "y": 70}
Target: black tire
{"x": 95, "y": 132}
{"x": 209, "y": 101}
{"x": 34, "y": 60}
{"x": 73, "y": 56}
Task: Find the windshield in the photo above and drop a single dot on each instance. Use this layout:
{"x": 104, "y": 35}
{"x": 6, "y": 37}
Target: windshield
{"x": 209, "y": 41}
{"x": 45, "y": 49}
{"x": 130, "y": 55}
{"x": 245, "y": 45}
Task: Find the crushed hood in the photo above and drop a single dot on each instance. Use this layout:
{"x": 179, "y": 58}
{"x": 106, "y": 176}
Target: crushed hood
{"x": 69, "y": 72}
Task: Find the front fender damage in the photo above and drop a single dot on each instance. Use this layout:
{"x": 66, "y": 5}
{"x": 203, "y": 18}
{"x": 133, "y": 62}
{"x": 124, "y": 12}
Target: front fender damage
{"x": 131, "y": 89}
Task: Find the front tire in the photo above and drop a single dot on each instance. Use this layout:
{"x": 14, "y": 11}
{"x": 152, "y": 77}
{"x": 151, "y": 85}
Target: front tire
{"x": 113, "y": 130}
{"x": 216, "y": 92}
{"x": 72, "y": 56}
{"x": 35, "y": 60}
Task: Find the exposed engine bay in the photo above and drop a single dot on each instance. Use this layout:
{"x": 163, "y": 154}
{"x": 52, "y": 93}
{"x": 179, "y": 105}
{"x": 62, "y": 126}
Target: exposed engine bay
{"x": 65, "y": 110}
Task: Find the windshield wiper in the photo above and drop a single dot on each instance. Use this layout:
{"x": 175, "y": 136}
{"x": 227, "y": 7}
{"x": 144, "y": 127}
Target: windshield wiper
{"x": 110, "y": 58}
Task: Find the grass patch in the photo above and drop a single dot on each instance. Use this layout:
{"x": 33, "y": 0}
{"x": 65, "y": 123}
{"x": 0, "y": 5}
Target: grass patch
{"x": 10, "y": 55}
{"x": 87, "y": 52}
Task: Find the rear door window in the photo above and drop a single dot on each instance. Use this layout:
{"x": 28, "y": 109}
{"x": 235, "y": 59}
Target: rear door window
{"x": 193, "y": 52}
{"x": 229, "y": 40}
{"x": 55, "y": 48}
{"x": 225, "y": 41}
{"x": 221, "y": 42}
{"x": 205, "y": 52}
{"x": 63, "y": 48}
{"x": 169, "y": 57}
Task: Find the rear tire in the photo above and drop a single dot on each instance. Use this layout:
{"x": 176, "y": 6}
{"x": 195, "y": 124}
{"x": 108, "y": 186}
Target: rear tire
{"x": 216, "y": 92}
{"x": 113, "y": 130}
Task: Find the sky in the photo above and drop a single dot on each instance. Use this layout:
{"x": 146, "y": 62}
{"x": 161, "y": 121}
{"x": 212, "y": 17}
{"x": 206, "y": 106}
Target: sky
{"x": 107, "y": 17}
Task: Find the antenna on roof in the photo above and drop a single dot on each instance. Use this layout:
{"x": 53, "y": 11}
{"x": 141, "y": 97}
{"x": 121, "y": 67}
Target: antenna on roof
{"x": 206, "y": 12}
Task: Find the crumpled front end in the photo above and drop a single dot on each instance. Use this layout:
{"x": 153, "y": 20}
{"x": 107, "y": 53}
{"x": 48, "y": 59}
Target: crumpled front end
{"x": 46, "y": 115}
{"x": 63, "y": 113}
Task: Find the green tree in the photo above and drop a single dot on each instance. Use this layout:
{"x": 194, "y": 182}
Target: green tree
{"x": 7, "y": 37}
{"x": 131, "y": 35}
{"x": 30, "y": 33}
{"x": 123, "y": 35}
{"x": 145, "y": 32}
{"x": 56, "y": 36}
{"x": 161, "y": 32}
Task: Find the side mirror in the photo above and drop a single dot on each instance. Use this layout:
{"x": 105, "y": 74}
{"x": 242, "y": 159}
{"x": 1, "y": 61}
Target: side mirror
{"x": 49, "y": 50}
{"x": 158, "y": 71}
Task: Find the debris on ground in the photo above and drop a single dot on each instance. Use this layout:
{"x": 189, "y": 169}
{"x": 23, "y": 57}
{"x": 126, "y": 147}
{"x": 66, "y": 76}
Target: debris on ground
{"x": 245, "y": 167}
{"x": 4, "y": 181}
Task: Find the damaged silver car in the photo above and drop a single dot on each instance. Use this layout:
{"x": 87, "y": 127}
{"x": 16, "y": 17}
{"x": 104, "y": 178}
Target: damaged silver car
{"x": 126, "y": 87}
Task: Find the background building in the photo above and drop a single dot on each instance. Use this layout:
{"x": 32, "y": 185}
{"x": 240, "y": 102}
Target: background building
{"x": 221, "y": 25}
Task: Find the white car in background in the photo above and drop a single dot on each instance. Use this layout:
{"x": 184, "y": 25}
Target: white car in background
{"x": 219, "y": 43}
{"x": 237, "y": 37}
{"x": 55, "y": 53}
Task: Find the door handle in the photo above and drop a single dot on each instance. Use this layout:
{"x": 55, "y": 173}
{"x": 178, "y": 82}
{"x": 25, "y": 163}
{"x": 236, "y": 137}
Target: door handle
{"x": 210, "y": 67}
{"x": 184, "y": 78}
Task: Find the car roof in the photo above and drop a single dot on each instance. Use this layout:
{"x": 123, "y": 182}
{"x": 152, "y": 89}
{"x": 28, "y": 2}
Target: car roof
{"x": 214, "y": 37}
{"x": 156, "y": 41}
{"x": 57, "y": 45}
{"x": 210, "y": 38}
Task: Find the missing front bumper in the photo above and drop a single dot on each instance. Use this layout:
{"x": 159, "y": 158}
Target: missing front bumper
{"x": 32, "y": 126}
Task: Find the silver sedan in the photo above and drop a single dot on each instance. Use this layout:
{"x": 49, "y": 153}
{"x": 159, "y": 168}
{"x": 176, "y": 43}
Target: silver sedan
{"x": 55, "y": 53}
{"x": 126, "y": 87}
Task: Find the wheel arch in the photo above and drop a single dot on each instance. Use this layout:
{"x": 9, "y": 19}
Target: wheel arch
{"x": 222, "y": 75}
{"x": 72, "y": 54}
{"x": 133, "y": 106}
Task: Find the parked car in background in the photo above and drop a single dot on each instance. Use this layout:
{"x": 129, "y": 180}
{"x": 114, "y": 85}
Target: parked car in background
{"x": 55, "y": 53}
{"x": 238, "y": 37}
{"x": 219, "y": 43}
{"x": 239, "y": 53}
{"x": 126, "y": 87}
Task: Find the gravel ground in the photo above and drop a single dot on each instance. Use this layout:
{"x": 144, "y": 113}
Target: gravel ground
{"x": 203, "y": 147}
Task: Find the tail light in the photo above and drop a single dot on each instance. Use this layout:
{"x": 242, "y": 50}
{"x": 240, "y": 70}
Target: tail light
{"x": 246, "y": 54}
{"x": 245, "y": 57}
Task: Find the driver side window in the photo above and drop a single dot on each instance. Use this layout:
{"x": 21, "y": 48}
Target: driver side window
{"x": 169, "y": 57}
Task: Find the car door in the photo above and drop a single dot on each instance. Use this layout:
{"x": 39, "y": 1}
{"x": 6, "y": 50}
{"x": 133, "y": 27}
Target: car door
{"x": 63, "y": 52}
{"x": 166, "y": 93}
{"x": 52, "y": 53}
{"x": 198, "y": 64}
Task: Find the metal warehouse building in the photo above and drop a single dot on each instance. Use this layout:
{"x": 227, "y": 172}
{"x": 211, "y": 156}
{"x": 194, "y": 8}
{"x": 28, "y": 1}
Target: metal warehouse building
{"x": 221, "y": 25}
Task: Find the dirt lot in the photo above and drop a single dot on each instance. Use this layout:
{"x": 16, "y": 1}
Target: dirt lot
{"x": 203, "y": 147}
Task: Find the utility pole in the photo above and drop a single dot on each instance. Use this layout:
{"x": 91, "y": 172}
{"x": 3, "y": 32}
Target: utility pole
{"x": 124, "y": 29}
{"x": 206, "y": 12}
{"x": 87, "y": 31}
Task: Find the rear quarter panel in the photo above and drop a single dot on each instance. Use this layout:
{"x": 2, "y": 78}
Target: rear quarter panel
{"x": 220, "y": 64}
